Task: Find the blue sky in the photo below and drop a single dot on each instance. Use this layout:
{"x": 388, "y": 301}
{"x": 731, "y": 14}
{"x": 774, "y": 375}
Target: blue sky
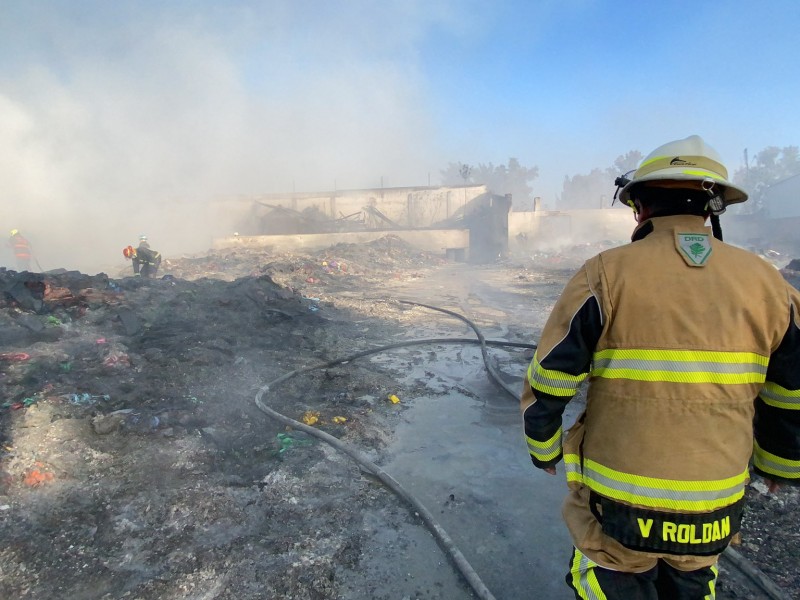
{"x": 107, "y": 103}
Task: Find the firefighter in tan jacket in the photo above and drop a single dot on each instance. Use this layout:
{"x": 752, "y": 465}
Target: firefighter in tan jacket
{"x": 691, "y": 348}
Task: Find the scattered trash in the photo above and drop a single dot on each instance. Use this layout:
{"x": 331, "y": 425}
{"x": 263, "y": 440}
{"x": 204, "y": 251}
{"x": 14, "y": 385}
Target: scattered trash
{"x": 393, "y": 399}
{"x": 66, "y": 366}
{"x": 339, "y": 420}
{"x": 100, "y": 341}
{"x": 311, "y": 417}
{"x": 51, "y": 320}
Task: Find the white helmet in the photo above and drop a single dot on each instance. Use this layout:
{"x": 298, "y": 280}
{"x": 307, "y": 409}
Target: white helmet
{"x": 690, "y": 160}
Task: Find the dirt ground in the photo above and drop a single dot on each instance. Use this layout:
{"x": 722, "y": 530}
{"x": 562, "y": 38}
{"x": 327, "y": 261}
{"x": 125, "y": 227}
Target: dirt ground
{"x": 134, "y": 462}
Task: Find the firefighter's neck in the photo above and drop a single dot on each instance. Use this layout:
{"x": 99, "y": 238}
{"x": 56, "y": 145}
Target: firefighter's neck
{"x": 643, "y": 212}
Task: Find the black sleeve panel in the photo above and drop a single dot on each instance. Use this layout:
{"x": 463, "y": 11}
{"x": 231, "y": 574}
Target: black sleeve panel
{"x": 784, "y": 364}
{"x": 777, "y": 412}
{"x": 540, "y": 416}
{"x": 777, "y": 430}
{"x": 573, "y": 354}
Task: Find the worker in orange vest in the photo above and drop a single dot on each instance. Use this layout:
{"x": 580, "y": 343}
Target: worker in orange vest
{"x": 22, "y": 250}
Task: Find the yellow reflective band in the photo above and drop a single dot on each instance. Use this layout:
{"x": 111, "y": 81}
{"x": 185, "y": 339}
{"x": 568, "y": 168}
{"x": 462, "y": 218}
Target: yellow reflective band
{"x": 584, "y": 579}
{"x": 654, "y": 492}
{"x": 684, "y": 356}
{"x": 712, "y": 585}
{"x": 774, "y": 464}
{"x": 703, "y": 174}
{"x": 704, "y": 164}
{"x": 780, "y": 397}
{"x": 555, "y": 383}
{"x": 547, "y": 450}
{"x": 681, "y": 366}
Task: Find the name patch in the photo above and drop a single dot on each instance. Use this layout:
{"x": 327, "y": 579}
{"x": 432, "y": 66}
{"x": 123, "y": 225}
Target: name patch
{"x": 649, "y": 530}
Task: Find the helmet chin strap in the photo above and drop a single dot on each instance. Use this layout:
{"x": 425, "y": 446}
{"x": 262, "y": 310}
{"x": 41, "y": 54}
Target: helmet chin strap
{"x": 716, "y": 206}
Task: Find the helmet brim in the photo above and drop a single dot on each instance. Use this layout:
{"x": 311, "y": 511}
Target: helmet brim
{"x": 731, "y": 194}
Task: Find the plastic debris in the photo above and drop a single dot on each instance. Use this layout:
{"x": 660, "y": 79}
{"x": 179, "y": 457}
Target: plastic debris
{"x": 51, "y": 320}
{"x": 286, "y": 441}
{"x": 37, "y": 476}
{"x": 85, "y": 399}
{"x": 311, "y": 417}
{"x": 14, "y": 356}
{"x": 339, "y": 420}
{"x": 117, "y": 359}
{"x": 141, "y": 423}
{"x": 103, "y": 424}
{"x": 393, "y": 399}
{"x": 100, "y": 341}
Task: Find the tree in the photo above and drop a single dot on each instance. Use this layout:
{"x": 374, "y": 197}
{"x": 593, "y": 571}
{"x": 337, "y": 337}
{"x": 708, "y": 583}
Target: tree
{"x": 767, "y": 167}
{"x": 596, "y": 190}
{"x": 501, "y": 179}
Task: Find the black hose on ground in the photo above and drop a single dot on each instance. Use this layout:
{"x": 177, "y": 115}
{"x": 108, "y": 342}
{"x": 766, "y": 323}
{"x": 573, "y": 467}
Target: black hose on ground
{"x": 515, "y": 394}
{"x": 442, "y": 538}
{"x": 756, "y": 575}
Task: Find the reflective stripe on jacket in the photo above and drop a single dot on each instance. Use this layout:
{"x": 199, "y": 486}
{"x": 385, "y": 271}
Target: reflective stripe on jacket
{"x": 21, "y": 246}
{"x": 677, "y": 334}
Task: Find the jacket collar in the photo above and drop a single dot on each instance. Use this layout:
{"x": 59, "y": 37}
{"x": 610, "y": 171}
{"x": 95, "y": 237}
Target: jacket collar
{"x": 688, "y": 223}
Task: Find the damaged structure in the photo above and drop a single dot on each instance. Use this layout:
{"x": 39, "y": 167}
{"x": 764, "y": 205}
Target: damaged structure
{"x": 463, "y": 222}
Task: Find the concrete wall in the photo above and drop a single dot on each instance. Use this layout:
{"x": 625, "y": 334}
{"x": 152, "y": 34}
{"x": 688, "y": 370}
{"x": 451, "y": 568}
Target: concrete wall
{"x": 407, "y": 207}
{"x": 551, "y": 230}
{"x": 432, "y": 240}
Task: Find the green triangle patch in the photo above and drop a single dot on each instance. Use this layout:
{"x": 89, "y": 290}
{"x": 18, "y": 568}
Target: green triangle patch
{"x": 694, "y": 247}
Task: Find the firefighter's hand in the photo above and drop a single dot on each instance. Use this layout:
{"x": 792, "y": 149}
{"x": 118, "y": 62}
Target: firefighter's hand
{"x": 550, "y": 470}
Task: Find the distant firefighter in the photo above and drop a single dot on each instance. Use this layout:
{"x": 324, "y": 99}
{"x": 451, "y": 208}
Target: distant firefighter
{"x": 22, "y": 250}
{"x": 145, "y": 260}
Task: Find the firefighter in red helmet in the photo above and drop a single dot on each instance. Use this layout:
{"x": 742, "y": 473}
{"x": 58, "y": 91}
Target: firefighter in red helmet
{"x": 146, "y": 261}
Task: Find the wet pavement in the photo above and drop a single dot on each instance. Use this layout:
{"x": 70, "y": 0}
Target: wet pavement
{"x": 461, "y": 453}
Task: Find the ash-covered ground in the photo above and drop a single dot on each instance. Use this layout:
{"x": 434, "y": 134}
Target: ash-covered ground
{"x": 136, "y": 464}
